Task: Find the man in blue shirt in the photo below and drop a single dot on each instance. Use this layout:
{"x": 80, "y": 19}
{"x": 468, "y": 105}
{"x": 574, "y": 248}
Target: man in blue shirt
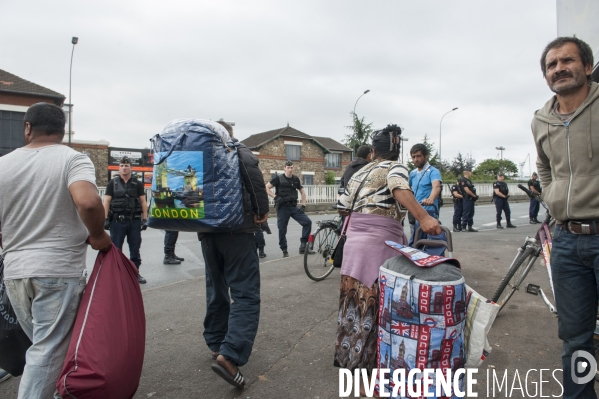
{"x": 425, "y": 182}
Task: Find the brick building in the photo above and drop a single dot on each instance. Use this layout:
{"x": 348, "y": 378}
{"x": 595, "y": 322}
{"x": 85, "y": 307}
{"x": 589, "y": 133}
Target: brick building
{"x": 18, "y": 94}
{"x": 312, "y": 156}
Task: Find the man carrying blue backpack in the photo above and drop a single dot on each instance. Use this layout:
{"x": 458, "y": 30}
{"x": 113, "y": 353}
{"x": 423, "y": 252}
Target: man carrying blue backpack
{"x": 233, "y": 278}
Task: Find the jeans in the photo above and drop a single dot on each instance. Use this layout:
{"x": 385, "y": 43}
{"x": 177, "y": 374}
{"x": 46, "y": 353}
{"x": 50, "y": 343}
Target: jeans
{"x": 170, "y": 239}
{"x": 467, "y": 213}
{"x": 260, "y": 241}
{"x": 283, "y": 215}
{"x": 46, "y": 308}
{"x": 533, "y": 210}
{"x": 501, "y": 204}
{"x": 457, "y": 211}
{"x": 231, "y": 321}
{"x": 132, "y": 230}
{"x": 423, "y": 235}
{"x": 575, "y": 270}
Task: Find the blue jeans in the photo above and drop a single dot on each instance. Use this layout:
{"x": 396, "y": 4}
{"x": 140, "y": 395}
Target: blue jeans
{"x": 283, "y": 215}
{"x": 432, "y": 212}
{"x": 170, "y": 240}
{"x": 575, "y": 270}
{"x": 132, "y": 230}
{"x": 260, "y": 241}
{"x": 231, "y": 321}
{"x": 46, "y": 308}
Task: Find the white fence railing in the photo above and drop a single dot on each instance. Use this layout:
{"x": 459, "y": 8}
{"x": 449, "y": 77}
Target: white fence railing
{"x": 323, "y": 194}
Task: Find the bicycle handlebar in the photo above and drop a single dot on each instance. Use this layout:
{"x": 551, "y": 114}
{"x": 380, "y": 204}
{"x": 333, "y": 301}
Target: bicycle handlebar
{"x": 529, "y": 192}
{"x": 533, "y": 195}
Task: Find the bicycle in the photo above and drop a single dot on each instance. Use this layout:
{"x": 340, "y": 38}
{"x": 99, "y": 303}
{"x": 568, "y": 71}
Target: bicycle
{"x": 318, "y": 263}
{"x": 528, "y": 253}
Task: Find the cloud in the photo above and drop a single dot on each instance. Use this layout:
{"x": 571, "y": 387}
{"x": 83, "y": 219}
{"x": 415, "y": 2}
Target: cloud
{"x": 263, "y": 64}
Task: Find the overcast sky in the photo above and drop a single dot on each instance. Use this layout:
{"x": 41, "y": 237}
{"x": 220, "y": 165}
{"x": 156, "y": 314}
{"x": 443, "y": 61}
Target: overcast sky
{"x": 263, "y": 64}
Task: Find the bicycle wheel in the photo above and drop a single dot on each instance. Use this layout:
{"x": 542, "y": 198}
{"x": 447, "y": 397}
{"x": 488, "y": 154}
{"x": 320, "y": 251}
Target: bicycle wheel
{"x": 319, "y": 265}
{"x": 515, "y": 276}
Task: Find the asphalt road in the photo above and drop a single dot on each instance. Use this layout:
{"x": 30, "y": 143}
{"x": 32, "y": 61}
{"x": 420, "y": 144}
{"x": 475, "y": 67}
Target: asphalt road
{"x": 188, "y": 246}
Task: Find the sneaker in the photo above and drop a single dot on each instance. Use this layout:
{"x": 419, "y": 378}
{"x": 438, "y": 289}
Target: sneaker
{"x": 285, "y": 254}
{"x": 471, "y": 230}
{"x": 4, "y": 375}
{"x": 303, "y": 247}
{"x": 511, "y": 226}
{"x": 499, "y": 226}
{"x": 537, "y": 220}
{"x": 171, "y": 260}
{"x": 532, "y": 221}
{"x": 140, "y": 279}
{"x": 261, "y": 253}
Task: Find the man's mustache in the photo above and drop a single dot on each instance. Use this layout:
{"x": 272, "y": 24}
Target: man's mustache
{"x": 564, "y": 74}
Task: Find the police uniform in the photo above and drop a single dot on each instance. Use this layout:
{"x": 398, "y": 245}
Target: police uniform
{"x": 467, "y": 204}
{"x": 501, "y": 203}
{"x": 457, "y": 208}
{"x": 286, "y": 203}
{"x": 125, "y": 215}
{"x": 533, "y": 210}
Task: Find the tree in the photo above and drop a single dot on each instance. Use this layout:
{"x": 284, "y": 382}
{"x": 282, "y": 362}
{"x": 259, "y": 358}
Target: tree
{"x": 490, "y": 168}
{"x": 329, "y": 177}
{"x": 460, "y": 163}
{"x": 360, "y": 133}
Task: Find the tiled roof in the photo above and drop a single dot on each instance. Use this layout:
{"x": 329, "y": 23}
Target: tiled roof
{"x": 259, "y": 139}
{"x": 10, "y": 82}
{"x": 331, "y": 144}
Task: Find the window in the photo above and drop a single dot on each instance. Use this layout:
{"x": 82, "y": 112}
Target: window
{"x": 308, "y": 180}
{"x": 11, "y": 131}
{"x": 292, "y": 152}
{"x": 332, "y": 160}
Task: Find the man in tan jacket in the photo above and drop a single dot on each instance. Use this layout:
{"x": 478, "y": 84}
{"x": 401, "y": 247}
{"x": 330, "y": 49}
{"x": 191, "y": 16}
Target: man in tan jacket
{"x": 566, "y": 134}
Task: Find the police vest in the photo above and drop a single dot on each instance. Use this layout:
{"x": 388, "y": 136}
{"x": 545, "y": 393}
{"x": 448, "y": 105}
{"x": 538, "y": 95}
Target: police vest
{"x": 125, "y": 199}
{"x": 287, "y": 189}
{"x": 456, "y": 189}
{"x": 502, "y": 186}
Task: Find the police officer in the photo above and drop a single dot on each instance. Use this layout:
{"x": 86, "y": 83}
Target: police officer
{"x": 500, "y": 198}
{"x": 287, "y": 185}
{"x": 457, "y": 195}
{"x": 126, "y": 212}
{"x": 469, "y": 197}
{"x": 535, "y": 186}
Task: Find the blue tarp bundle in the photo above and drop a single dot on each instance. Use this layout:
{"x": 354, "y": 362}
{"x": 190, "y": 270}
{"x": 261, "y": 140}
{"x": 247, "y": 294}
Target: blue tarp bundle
{"x": 196, "y": 184}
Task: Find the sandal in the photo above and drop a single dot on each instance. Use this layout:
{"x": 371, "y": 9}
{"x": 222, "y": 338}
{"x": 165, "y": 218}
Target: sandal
{"x": 236, "y": 380}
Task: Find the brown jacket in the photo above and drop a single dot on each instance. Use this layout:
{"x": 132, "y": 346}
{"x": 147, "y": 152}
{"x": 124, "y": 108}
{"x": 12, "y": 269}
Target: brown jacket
{"x": 568, "y": 159}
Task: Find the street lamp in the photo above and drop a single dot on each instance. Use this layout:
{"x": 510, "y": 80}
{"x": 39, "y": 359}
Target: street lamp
{"x": 502, "y": 149}
{"x": 74, "y": 40}
{"x": 403, "y": 139}
{"x": 440, "y": 159}
{"x": 358, "y": 100}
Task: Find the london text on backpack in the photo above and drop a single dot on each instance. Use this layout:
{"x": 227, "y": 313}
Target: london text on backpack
{"x": 196, "y": 184}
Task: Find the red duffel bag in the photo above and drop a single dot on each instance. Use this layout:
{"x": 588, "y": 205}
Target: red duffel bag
{"x": 106, "y": 351}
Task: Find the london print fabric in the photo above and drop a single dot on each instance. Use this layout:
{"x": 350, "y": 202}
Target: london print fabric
{"x": 421, "y": 325}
